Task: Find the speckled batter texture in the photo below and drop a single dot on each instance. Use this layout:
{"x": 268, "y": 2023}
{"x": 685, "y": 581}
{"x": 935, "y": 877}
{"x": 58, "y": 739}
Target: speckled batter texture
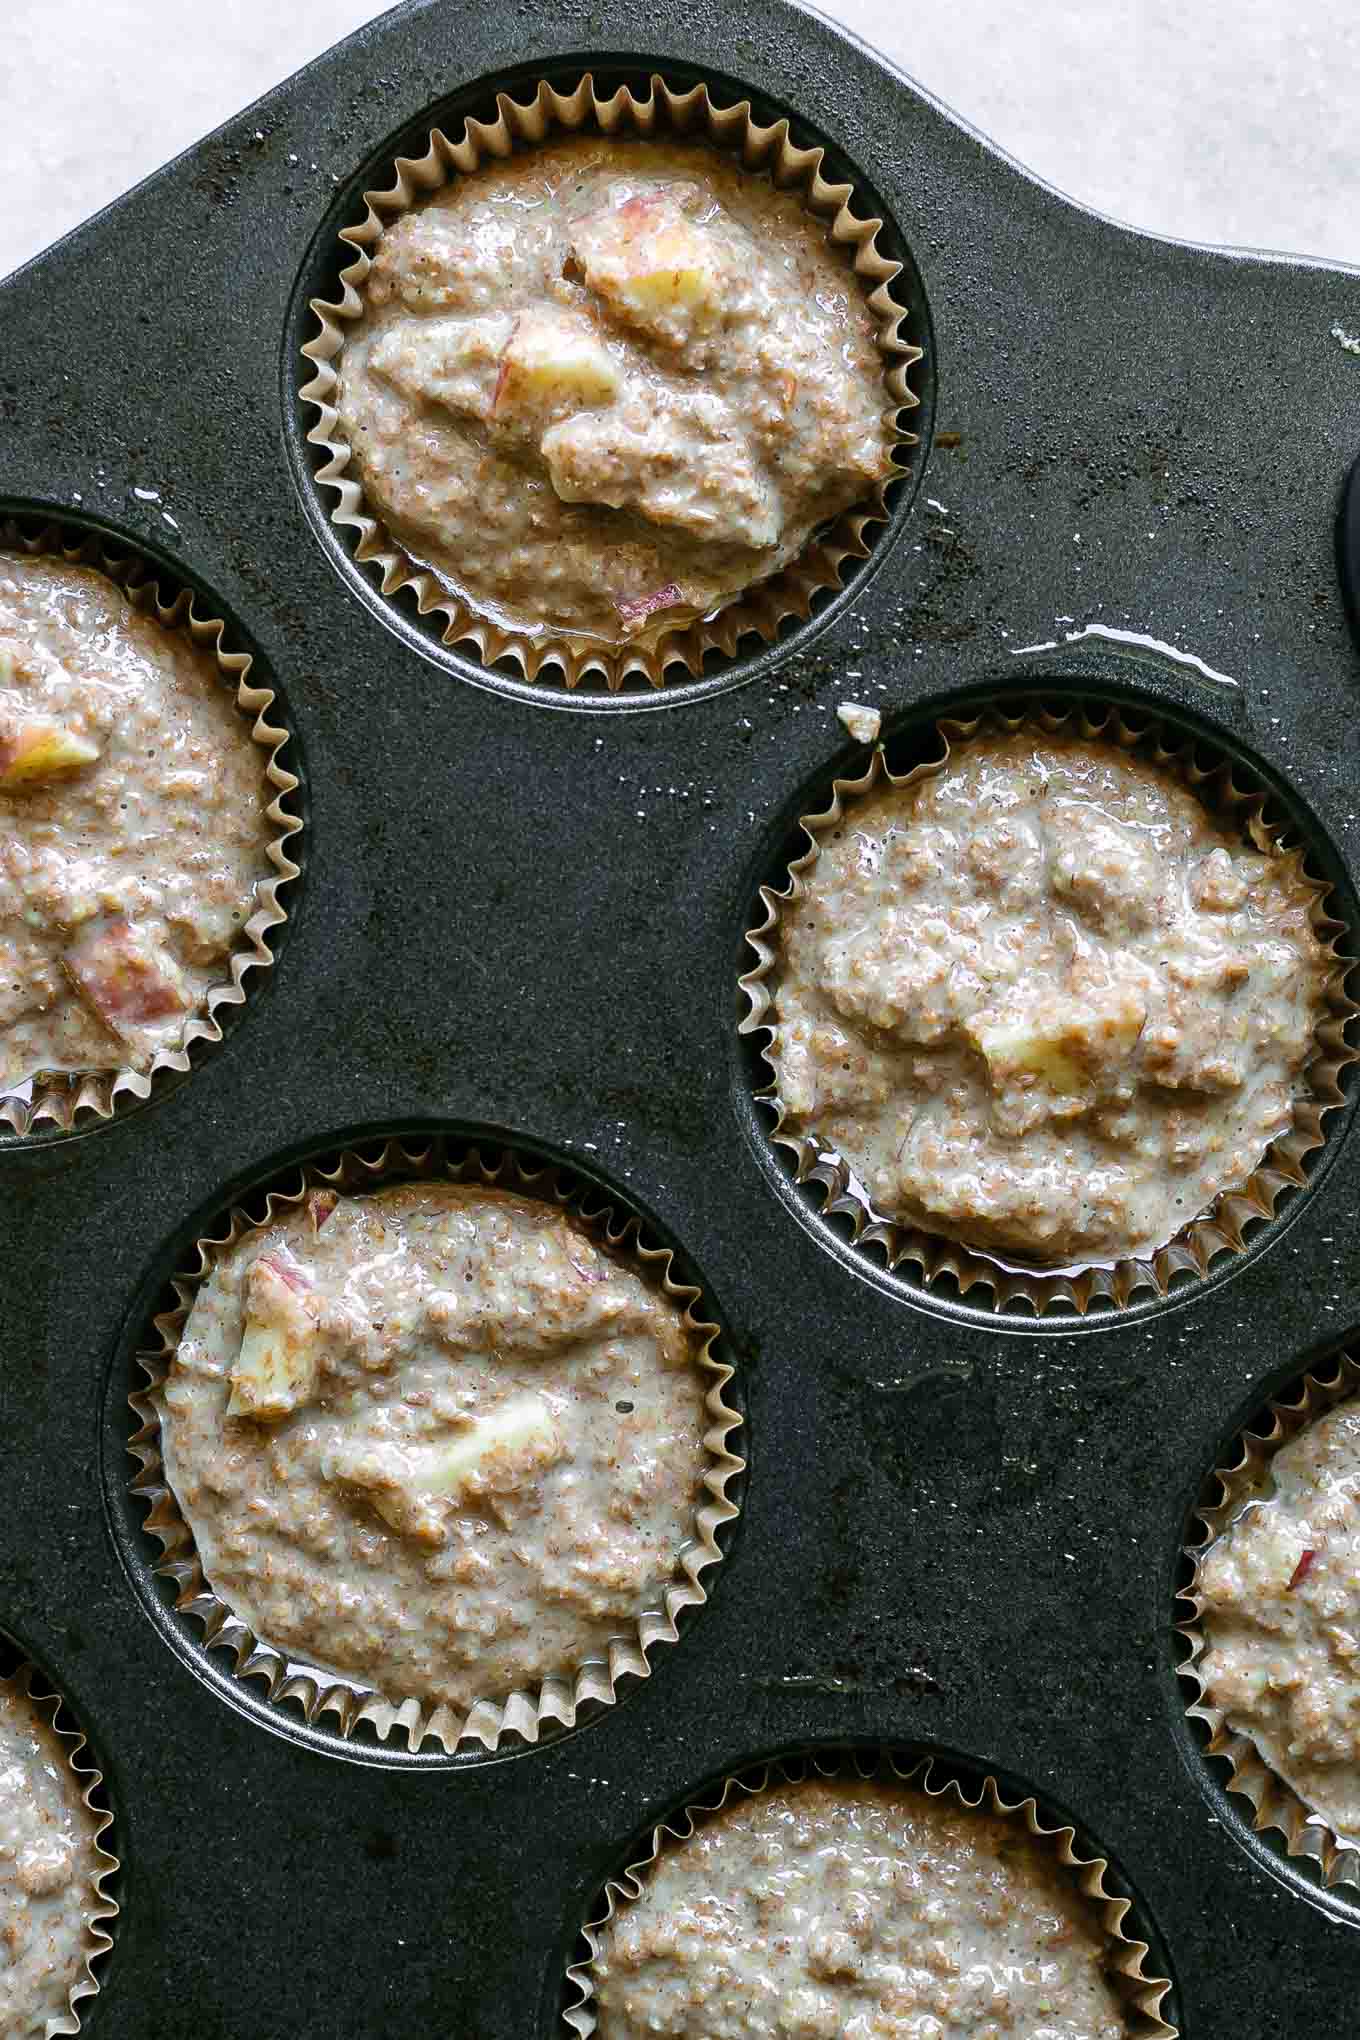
{"x": 1043, "y": 1002}
{"x": 602, "y": 387}
{"x": 48, "y": 1864}
{"x": 133, "y": 826}
{"x": 855, "y": 1911}
{"x": 1281, "y": 1618}
{"x": 435, "y": 1440}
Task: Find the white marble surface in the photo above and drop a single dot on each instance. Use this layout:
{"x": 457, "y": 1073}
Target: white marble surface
{"x": 1228, "y": 121}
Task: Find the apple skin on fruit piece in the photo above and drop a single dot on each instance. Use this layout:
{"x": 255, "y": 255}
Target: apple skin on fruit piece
{"x": 123, "y": 978}
{"x": 408, "y": 1483}
{"x": 552, "y": 361}
{"x": 278, "y": 1365}
{"x": 34, "y": 750}
{"x": 320, "y": 1206}
{"x": 635, "y": 610}
{"x": 654, "y": 266}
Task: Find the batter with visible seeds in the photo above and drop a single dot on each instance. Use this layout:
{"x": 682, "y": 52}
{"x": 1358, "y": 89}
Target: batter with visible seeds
{"x": 1281, "y": 1618}
{"x": 604, "y": 386}
{"x": 48, "y": 1865}
{"x": 850, "y": 1910}
{"x": 1043, "y": 1002}
{"x": 436, "y": 1440}
{"x": 133, "y": 826}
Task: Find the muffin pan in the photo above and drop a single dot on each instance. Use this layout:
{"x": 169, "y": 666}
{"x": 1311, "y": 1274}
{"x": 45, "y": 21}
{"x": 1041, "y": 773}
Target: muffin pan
{"x": 523, "y": 918}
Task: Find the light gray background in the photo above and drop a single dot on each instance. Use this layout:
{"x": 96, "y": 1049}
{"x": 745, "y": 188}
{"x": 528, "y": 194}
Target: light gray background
{"x": 1227, "y": 121}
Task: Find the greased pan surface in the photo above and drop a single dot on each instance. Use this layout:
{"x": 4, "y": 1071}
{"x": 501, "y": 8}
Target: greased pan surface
{"x": 523, "y": 916}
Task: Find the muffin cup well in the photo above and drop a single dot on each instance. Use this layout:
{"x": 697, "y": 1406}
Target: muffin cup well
{"x": 355, "y": 1703}
{"x": 1140, "y": 1994}
{"x": 1246, "y": 1478}
{"x": 1219, "y": 1230}
{"x": 58, "y": 1102}
{"x": 760, "y": 610}
{"x": 29, "y": 1684}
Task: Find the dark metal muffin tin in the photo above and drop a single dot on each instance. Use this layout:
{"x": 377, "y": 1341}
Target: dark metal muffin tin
{"x": 961, "y": 1531}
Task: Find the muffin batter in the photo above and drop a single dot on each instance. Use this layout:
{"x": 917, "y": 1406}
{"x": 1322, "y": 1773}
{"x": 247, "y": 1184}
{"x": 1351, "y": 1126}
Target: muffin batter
{"x": 47, "y": 1870}
{"x": 849, "y": 1910}
{"x": 1043, "y": 1003}
{"x": 604, "y": 386}
{"x": 1281, "y": 1618}
{"x": 133, "y": 829}
{"x": 435, "y": 1440}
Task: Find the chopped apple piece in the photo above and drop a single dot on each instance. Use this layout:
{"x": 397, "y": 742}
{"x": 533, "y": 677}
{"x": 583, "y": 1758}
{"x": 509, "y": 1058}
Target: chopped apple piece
{"x": 1066, "y": 1042}
{"x": 407, "y": 1483}
{"x": 278, "y": 1365}
{"x": 654, "y": 266}
{"x": 34, "y": 750}
{"x": 863, "y": 723}
{"x": 126, "y": 981}
{"x": 554, "y": 360}
{"x": 1013, "y": 1047}
{"x": 518, "y": 1436}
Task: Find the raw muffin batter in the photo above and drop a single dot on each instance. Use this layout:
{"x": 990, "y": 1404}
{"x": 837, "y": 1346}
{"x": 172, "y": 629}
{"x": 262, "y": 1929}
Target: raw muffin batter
{"x": 47, "y": 1870}
{"x": 1043, "y": 1003}
{"x": 850, "y": 1911}
{"x": 604, "y": 386}
{"x": 132, "y": 825}
{"x": 1281, "y": 1618}
{"x": 435, "y": 1439}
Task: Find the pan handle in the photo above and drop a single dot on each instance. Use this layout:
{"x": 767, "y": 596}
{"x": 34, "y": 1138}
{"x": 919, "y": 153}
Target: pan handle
{"x": 1348, "y": 548}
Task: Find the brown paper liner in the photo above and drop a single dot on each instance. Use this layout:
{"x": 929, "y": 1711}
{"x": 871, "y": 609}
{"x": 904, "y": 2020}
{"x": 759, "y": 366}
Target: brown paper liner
{"x": 1140, "y": 1995}
{"x": 1217, "y": 1231}
{"x": 62, "y": 1101}
{"x": 1245, "y": 1478}
{"x": 354, "y": 1702}
{"x": 30, "y": 1684}
{"x": 760, "y": 610}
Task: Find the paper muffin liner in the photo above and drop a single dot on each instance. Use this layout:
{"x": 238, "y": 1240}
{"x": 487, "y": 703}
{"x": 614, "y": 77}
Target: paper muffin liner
{"x": 1220, "y": 1229}
{"x": 1246, "y": 1477}
{"x": 1140, "y": 1995}
{"x": 762, "y": 609}
{"x": 30, "y": 1684}
{"x": 354, "y": 1702}
{"x": 61, "y": 1101}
